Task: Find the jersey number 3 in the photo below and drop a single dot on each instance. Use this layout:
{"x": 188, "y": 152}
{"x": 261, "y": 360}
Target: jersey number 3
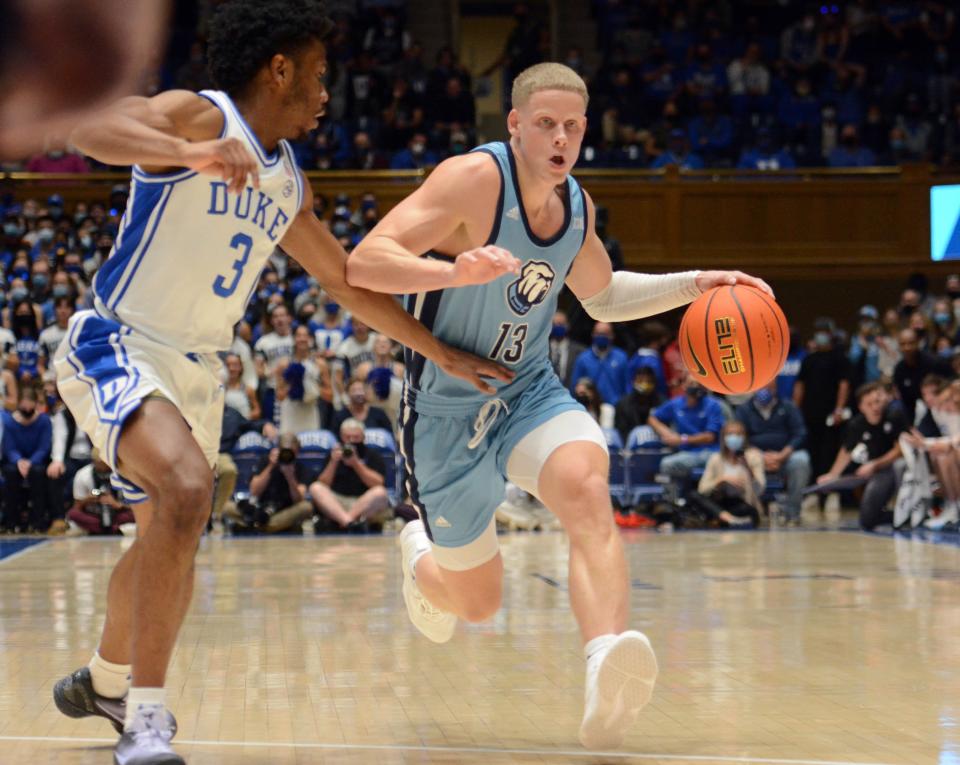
{"x": 239, "y": 242}
{"x": 514, "y": 352}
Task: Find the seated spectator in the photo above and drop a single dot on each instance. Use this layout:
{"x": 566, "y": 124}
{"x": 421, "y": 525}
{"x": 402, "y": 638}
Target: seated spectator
{"x": 233, "y": 425}
{"x": 279, "y": 487}
{"x": 929, "y": 441}
{"x": 96, "y": 507}
{"x": 850, "y": 153}
{"x": 712, "y": 134}
{"x": 27, "y": 441}
{"x": 298, "y": 386}
{"x": 453, "y": 110}
{"x": 652, "y": 336}
{"x": 363, "y": 155}
{"x": 689, "y": 423}
{"x": 766, "y": 155}
{"x": 415, "y": 156}
{"x": 564, "y": 351}
{"x": 25, "y": 329}
{"x": 870, "y": 449}
{"x": 237, "y": 393}
{"x": 775, "y": 427}
{"x": 357, "y": 407}
{"x": 706, "y": 79}
{"x": 634, "y": 408}
{"x": 733, "y": 480}
{"x": 913, "y": 367}
{"x": 350, "y": 488}
{"x": 604, "y": 364}
{"x": 678, "y": 153}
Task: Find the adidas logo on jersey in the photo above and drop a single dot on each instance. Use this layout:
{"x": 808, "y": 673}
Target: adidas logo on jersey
{"x": 514, "y": 213}
{"x": 443, "y": 523}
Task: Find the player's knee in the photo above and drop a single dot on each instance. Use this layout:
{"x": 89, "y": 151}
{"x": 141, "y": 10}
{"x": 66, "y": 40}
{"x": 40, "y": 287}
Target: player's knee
{"x": 481, "y": 609}
{"x": 187, "y": 500}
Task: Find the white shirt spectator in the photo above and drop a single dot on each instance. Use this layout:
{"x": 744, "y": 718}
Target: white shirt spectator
{"x": 50, "y": 340}
{"x": 748, "y": 78}
{"x": 272, "y": 348}
{"x": 242, "y": 349}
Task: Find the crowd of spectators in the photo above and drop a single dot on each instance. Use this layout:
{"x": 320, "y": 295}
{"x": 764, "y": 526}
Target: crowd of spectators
{"x": 735, "y": 83}
{"x": 299, "y": 364}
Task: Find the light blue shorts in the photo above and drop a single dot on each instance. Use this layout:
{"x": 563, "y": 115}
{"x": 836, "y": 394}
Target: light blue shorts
{"x": 455, "y": 488}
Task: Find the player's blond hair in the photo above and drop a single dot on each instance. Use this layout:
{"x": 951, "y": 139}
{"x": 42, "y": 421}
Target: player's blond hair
{"x": 548, "y": 76}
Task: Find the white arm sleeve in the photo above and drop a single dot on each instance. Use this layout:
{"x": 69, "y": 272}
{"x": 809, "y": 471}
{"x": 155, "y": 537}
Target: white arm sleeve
{"x": 632, "y": 296}
{"x": 58, "y": 449}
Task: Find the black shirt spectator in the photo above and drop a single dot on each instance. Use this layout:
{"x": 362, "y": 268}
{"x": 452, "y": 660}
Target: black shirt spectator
{"x": 634, "y": 408}
{"x": 345, "y": 479}
{"x": 277, "y": 491}
{"x": 909, "y": 372}
{"x": 876, "y": 440}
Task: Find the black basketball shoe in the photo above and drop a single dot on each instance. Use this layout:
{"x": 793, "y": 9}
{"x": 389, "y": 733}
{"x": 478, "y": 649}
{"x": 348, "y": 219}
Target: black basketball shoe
{"x": 75, "y": 697}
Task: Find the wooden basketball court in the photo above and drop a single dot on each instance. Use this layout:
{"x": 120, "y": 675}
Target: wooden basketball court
{"x": 775, "y": 647}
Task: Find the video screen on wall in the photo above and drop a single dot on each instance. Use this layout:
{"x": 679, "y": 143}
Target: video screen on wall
{"x": 945, "y": 223}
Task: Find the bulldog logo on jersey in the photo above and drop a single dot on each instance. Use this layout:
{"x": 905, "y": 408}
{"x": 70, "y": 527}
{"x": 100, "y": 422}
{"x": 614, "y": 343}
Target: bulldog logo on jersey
{"x": 536, "y": 279}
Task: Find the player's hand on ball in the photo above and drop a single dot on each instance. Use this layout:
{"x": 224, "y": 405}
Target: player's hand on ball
{"x": 482, "y": 265}
{"x": 227, "y": 158}
{"x": 708, "y": 279}
{"x": 474, "y": 369}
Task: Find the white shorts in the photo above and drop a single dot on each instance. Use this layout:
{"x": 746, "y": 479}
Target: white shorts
{"x": 106, "y": 369}
{"x": 524, "y": 465}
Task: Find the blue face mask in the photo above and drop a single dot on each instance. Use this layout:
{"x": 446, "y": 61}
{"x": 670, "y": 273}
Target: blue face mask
{"x": 558, "y": 332}
{"x": 40, "y": 282}
{"x": 60, "y": 290}
{"x": 942, "y": 318}
{"x": 822, "y": 339}
{"x": 12, "y": 229}
{"x": 601, "y": 342}
{"x": 763, "y": 397}
{"x": 733, "y": 441}
{"x": 18, "y": 294}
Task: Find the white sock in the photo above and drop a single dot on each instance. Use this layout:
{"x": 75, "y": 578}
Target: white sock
{"x": 153, "y": 699}
{"x": 110, "y": 680}
{"x": 598, "y": 646}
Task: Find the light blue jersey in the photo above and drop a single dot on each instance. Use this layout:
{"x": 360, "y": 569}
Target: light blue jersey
{"x": 507, "y": 320}
{"x": 457, "y": 441}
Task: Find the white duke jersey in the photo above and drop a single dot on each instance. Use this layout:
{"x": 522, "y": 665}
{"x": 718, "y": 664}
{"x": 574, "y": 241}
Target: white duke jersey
{"x": 189, "y": 254}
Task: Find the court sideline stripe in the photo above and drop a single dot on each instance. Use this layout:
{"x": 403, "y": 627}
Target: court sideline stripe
{"x": 455, "y": 750}
{"x": 24, "y": 551}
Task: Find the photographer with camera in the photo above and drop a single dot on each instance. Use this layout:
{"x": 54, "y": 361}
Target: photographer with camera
{"x": 96, "y": 509}
{"x": 279, "y": 489}
{"x": 350, "y": 487}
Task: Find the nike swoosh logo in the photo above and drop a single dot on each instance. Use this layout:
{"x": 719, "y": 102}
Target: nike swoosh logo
{"x": 701, "y": 369}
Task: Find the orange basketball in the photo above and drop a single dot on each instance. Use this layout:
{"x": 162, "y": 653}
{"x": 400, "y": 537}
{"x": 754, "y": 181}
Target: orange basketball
{"x": 734, "y": 339}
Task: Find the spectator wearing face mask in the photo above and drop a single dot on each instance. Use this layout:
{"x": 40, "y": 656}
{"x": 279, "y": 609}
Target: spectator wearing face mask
{"x": 850, "y": 153}
{"x": 27, "y": 441}
{"x": 775, "y": 427}
{"x": 25, "y": 330}
{"x": 870, "y": 450}
{"x": 330, "y": 328}
{"x": 358, "y": 407}
{"x": 634, "y": 409}
{"x": 564, "y": 351}
{"x": 652, "y": 336}
{"x": 605, "y": 364}
{"x": 415, "y": 156}
{"x": 586, "y": 394}
{"x": 689, "y": 423}
{"x": 821, "y": 391}
{"x": 733, "y": 480}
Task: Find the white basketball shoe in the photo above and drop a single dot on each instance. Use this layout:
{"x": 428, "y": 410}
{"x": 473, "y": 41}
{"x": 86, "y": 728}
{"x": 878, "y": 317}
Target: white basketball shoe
{"x": 619, "y": 684}
{"x": 435, "y": 624}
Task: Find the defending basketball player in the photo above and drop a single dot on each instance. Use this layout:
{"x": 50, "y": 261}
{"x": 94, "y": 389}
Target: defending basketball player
{"x": 460, "y": 446}
{"x": 215, "y": 188}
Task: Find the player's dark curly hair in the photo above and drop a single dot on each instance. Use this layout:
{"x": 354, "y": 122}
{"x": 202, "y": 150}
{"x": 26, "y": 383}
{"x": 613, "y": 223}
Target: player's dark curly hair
{"x": 246, "y": 34}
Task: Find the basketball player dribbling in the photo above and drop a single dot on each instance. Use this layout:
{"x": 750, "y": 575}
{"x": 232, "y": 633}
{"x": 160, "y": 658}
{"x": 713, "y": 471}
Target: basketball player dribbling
{"x": 215, "y": 188}
{"x": 460, "y": 446}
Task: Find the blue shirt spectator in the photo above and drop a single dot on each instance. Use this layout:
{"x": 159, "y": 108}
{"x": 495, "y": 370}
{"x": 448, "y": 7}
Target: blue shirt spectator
{"x": 678, "y": 153}
{"x": 800, "y": 109}
{"x": 31, "y": 441}
{"x": 850, "y": 153}
{"x": 757, "y": 159}
{"x": 605, "y": 364}
{"x": 774, "y": 427}
{"x": 649, "y": 358}
{"x": 706, "y": 416}
{"x": 711, "y": 134}
{"x": 790, "y": 371}
{"x": 415, "y": 156}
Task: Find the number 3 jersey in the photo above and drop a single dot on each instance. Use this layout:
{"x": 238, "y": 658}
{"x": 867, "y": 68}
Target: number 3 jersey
{"x": 188, "y": 253}
{"x": 507, "y": 320}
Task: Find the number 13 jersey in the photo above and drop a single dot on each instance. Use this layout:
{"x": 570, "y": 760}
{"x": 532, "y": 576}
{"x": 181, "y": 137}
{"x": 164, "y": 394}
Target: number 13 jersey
{"x": 188, "y": 254}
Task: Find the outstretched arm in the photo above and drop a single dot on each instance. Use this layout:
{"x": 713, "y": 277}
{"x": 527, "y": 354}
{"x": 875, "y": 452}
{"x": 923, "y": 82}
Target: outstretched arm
{"x": 624, "y": 296}
{"x": 322, "y": 256}
{"x": 388, "y": 259}
{"x": 174, "y": 129}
